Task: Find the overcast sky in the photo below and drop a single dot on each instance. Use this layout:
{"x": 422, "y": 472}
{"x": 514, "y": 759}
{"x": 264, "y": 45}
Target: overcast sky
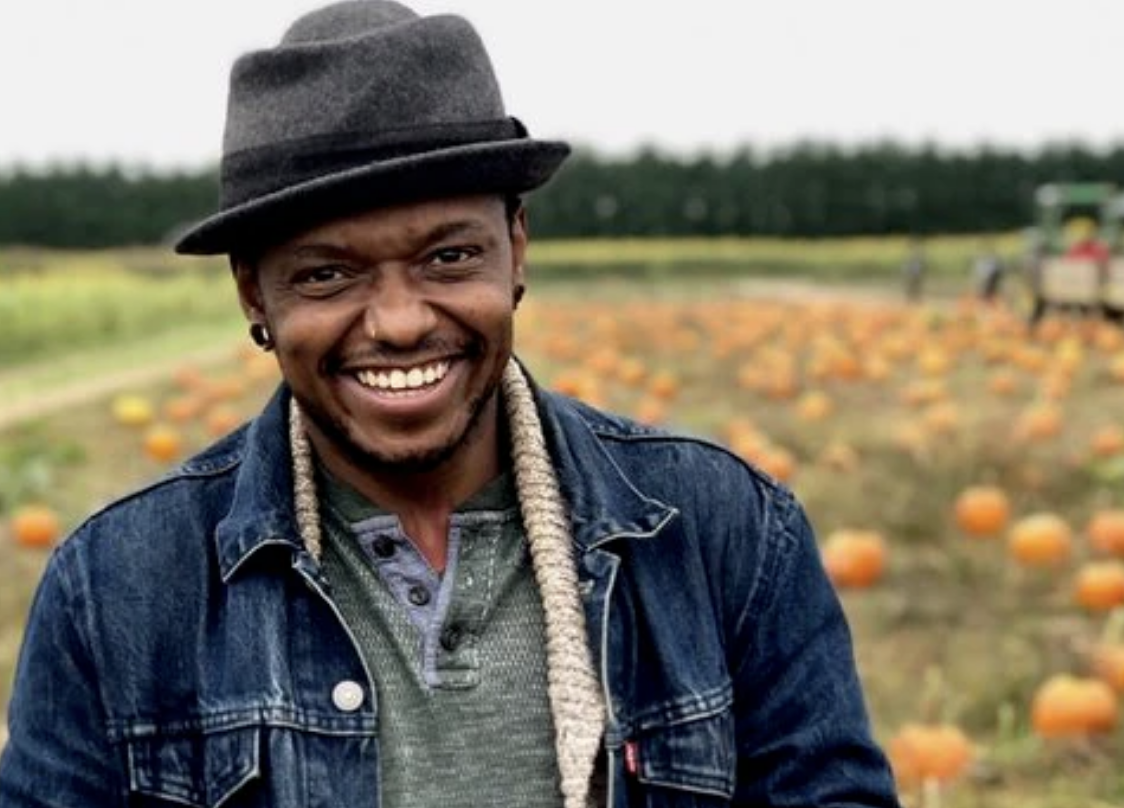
{"x": 144, "y": 81}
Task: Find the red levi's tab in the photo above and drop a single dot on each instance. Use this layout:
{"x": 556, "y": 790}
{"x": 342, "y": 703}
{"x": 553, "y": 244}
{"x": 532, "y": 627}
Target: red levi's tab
{"x": 631, "y": 757}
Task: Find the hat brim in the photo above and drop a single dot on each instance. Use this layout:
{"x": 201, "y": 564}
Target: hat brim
{"x": 512, "y": 166}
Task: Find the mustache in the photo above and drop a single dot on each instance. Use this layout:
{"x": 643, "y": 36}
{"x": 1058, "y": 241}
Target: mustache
{"x": 394, "y": 355}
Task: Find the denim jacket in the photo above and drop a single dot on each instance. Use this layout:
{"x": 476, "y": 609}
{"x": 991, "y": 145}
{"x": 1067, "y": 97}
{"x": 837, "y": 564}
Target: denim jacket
{"x": 183, "y": 648}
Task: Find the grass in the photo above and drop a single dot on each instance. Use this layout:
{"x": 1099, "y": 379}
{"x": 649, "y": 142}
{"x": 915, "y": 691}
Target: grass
{"x": 861, "y": 259}
{"x": 57, "y": 303}
{"x": 82, "y": 362}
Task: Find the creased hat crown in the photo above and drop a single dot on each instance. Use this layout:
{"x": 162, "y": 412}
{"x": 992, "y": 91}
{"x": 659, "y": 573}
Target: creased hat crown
{"x": 363, "y": 103}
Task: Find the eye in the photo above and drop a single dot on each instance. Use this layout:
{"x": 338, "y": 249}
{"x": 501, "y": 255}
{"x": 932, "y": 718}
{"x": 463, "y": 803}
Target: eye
{"x": 453, "y": 255}
{"x": 321, "y": 280}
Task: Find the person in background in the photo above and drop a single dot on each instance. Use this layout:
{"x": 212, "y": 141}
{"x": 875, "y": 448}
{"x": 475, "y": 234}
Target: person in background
{"x": 418, "y": 578}
{"x": 914, "y": 269}
{"x": 988, "y": 271}
{"x": 1085, "y": 242}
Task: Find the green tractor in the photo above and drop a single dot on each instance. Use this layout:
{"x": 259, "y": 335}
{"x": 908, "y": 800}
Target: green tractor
{"x": 1076, "y": 261}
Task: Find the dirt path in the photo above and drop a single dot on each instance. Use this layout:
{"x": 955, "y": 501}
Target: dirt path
{"x": 91, "y": 388}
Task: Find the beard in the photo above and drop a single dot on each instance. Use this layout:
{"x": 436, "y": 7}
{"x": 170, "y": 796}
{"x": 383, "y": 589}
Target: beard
{"x": 342, "y": 438}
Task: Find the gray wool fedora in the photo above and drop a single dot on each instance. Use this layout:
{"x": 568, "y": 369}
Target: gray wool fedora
{"x": 362, "y": 104}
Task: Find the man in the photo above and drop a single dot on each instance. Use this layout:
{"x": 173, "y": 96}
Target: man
{"x": 417, "y": 579}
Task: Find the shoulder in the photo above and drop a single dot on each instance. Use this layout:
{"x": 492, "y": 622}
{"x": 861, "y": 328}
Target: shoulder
{"x": 683, "y": 469}
{"x": 153, "y": 519}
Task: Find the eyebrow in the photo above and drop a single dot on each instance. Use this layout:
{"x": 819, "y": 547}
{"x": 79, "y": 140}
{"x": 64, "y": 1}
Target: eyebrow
{"x": 466, "y": 227}
{"x": 440, "y": 232}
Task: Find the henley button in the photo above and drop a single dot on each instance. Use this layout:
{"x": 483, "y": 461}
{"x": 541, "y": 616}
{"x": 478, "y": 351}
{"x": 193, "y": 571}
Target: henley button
{"x": 451, "y": 638}
{"x": 418, "y": 595}
{"x": 383, "y": 547}
{"x": 347, "y": 696}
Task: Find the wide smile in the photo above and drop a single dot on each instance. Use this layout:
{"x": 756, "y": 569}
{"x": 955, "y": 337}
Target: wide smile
{"x": 404, "y": 381}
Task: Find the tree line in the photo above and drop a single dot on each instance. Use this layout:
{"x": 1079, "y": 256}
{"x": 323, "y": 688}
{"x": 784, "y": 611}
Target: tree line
{"x": 804, "y": 190}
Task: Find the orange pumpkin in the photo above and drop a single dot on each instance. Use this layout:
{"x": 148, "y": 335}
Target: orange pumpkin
{"x": 927, "y": 752}
{"x": 776, "y": 461}
{"x": 815, "y": 405}
{"x": 1105, "y": 530}
{"x": 1099, "y": 585}
{"x": 1107, "y": 441}
{"x": 1108, "y": 664}
{"x": 188, "y": 378}
{"x": 982, "y": 510}
{"x": 941, "y": 418}
{"x": 1068, "y": 706}
{"x": 839, "y": 456}
{"x": 650, "y": 410}
{"x": 220, "y": 420}
{"x": 663, "y": 384}
{"x": 163, "y": 443}
{"x": 35, "y": 526}
{"x": 1040, "y": 540}
{"x": 1003, "y": 383}
{"x": 182, "y": 408}
{"x": 631, "y": 371}
{"x": 1039, "y": 422}
{"x": 854, "y": 558}
{"x": 578, "y": 383}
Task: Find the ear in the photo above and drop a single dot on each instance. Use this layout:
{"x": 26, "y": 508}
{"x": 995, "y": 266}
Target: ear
{"x": 518, "y": 246}
{"x": 249, "y": 290}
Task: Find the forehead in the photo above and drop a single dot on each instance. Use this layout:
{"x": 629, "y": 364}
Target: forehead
{"x": 405, "y": 223}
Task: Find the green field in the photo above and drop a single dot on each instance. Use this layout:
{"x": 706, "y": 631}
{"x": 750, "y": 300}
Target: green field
{"x": 729, "y": 339}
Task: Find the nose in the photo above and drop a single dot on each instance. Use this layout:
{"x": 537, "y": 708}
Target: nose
{"x": 398, "y": 313}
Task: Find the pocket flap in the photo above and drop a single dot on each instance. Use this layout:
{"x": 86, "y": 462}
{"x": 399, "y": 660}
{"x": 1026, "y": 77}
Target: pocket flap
{"x": 201, "y": 769}
{"x": 698, "y": 755}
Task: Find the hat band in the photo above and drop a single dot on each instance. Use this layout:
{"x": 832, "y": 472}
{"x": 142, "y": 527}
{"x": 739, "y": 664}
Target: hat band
{"x": 256, "y": 172}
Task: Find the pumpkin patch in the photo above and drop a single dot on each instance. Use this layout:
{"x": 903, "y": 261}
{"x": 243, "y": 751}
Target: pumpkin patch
{"x": 963, "y": 477}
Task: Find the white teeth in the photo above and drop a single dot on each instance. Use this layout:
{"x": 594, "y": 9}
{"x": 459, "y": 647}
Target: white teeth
{"x": 398, "y": 379}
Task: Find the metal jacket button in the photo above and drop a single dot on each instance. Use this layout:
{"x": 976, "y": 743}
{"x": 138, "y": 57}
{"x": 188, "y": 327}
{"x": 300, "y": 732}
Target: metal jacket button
{"x": 418, "y": 595}
{"x": 347, "y": 696}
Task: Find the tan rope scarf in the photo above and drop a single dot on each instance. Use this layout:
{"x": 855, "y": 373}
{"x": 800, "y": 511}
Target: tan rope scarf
{"x": 572, "y": 684}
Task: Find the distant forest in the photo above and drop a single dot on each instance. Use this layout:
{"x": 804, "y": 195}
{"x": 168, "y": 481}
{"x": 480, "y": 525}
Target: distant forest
{"x": 806, "y": 190}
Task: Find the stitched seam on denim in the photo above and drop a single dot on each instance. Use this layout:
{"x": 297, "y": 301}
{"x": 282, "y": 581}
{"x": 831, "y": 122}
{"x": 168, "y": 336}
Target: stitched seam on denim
{"x": 80, "y": 617}
{"x": 277, "y": 717}
{"x": 778, "y": 541}
{"x": 686, "y": 710}
{"x": 723, "y": 786}
{"x": 761, "y": 590}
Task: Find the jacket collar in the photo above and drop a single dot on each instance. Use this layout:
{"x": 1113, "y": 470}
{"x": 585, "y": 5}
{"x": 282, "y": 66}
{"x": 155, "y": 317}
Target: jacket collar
{"x": 261, "y": 509}
{"x": 604, "y": 504}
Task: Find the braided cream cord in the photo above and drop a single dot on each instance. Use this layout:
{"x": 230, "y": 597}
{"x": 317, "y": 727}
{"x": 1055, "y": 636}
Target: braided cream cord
{"x": 305, "y": 500}
{"x": 572, "y": 683}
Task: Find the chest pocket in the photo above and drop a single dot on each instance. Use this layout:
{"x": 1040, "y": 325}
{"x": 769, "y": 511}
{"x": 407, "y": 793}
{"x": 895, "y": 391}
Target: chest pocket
{"x": 200, "y": 769}
{"x": 696, "y": 757}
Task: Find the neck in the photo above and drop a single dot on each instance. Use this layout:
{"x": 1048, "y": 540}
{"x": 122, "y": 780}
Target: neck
{"x": 424, "y": 500}
{"x": 425, "y": 503}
